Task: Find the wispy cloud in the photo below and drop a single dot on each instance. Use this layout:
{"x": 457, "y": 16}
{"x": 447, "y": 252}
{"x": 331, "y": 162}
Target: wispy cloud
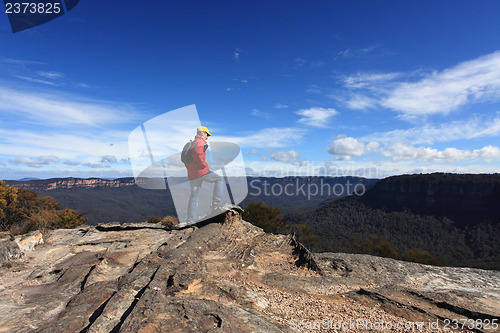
{"x": 64, "y": 145}
{"x": 356, "y": 52}
{"x": 35, "y": 162}
{"x": 236, "y": 54}
{"x": 471, "y": 128}
{"x": 261, "y": 114}
{"x": 316, "y": 116}
{"x": 439, "y": 92}
{"x": 300, "y": 62}
{"x": 61, "y": 109}
{"x": 36, "y": 80}
{"x": 368, "y": 80}
{"x": 314, "y": 89}
{"x": 18, "y": 62}
{"x": 51, "y": 75}
{"x": 268, "y": 138}
{"x": 280, "y": 106}
{"x": 443, "y": 92}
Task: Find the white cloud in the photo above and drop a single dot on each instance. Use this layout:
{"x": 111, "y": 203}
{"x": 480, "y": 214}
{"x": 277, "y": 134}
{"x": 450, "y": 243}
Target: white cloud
{"x": 400, "y": 151}
{"x": 347, "y": 147}
{"x": 361, "y": 102}
{"x": 58, "y": 109}
{"x": 72, "y": 163}
{"x": 288, "y": 156}
{"x": 96, "y": 165}
{"x": 109, "y": 159}
{"x": 257, "y": 153}
{"x": 316, "y": 116}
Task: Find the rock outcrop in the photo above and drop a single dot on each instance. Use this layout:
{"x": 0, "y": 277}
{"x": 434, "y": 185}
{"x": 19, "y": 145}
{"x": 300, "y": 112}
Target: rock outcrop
{"x": 227, "y": 276}
{"x": 12, "y": 248}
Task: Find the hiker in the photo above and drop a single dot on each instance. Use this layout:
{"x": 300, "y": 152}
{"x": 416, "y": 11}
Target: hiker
{"x": 198, "y": 172}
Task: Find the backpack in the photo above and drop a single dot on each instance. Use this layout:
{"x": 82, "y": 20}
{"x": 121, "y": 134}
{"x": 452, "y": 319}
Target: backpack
{"x": 186, "y": 155}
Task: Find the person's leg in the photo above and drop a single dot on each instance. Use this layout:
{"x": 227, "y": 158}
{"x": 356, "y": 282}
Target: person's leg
{"x": 218, "y": 181}
{"x": 193, "y": 199}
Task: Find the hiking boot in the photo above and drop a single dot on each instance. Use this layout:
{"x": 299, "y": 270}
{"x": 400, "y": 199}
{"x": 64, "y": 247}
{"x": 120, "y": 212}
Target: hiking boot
{"x": 221, "y": 207}
{"x": 183, "y": 225}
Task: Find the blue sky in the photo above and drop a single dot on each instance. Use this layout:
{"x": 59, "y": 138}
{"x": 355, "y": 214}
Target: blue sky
{"x": 372, "y": 88}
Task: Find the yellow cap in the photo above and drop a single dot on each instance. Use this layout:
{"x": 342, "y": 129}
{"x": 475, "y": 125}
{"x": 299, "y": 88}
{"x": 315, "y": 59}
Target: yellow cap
{"x": 203, "y": 129}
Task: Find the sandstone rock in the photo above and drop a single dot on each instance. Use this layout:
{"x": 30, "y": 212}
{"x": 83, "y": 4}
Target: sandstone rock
{"x": 28, "y": 241}
{"x": 9, "y": 250}
{"x": 226, "y": 275}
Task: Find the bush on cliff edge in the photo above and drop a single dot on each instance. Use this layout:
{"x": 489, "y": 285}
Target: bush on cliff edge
{"x": 22, "y": 211}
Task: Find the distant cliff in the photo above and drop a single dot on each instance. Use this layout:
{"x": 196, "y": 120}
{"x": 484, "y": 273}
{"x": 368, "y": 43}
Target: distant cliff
{"x": 467, "y": 199}
{"x": 65, "y": 183}
{"x": 455, "y": 218}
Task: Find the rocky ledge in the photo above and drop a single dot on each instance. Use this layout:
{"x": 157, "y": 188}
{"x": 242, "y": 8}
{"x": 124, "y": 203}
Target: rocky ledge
{"x": 229, "y": 276}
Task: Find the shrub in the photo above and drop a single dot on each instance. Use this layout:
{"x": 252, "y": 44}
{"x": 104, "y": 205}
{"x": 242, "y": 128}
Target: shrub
{"x": 269, "y": 219}
{"x": 22, "y": 211}
{"x": 8, "y": 201}
{"x": 265, "y": 217}
{"x": 375, "y": 245}
{"x": 420, "y": 256}
{"x": 154, "y": 219}
{"x": 68, "y": 219}
{"x": 169, "y": 221}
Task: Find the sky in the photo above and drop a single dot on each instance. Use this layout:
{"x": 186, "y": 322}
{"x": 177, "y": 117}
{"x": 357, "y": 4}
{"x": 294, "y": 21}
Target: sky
{"x": 367, "y": 88}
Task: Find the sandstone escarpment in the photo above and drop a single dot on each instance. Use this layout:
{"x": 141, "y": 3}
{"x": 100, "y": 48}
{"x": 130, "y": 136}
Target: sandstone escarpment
{"x": 67, "y": 183}
{"x": 465, "y": 199}
{"x": 228, "y": 276}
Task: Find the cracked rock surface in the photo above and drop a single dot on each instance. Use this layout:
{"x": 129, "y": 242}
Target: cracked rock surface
{"x": 227, "y": 276}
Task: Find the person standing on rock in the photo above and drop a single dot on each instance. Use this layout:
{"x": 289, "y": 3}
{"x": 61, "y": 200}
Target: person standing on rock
{"x": 199, "y": 172}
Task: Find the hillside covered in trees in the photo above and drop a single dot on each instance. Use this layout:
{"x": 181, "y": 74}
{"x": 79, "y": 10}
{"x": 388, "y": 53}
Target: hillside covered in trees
{"x": 448, "y": 218}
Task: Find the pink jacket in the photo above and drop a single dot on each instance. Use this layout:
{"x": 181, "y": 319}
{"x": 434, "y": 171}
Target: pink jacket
{"x": 198, "y": 167}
